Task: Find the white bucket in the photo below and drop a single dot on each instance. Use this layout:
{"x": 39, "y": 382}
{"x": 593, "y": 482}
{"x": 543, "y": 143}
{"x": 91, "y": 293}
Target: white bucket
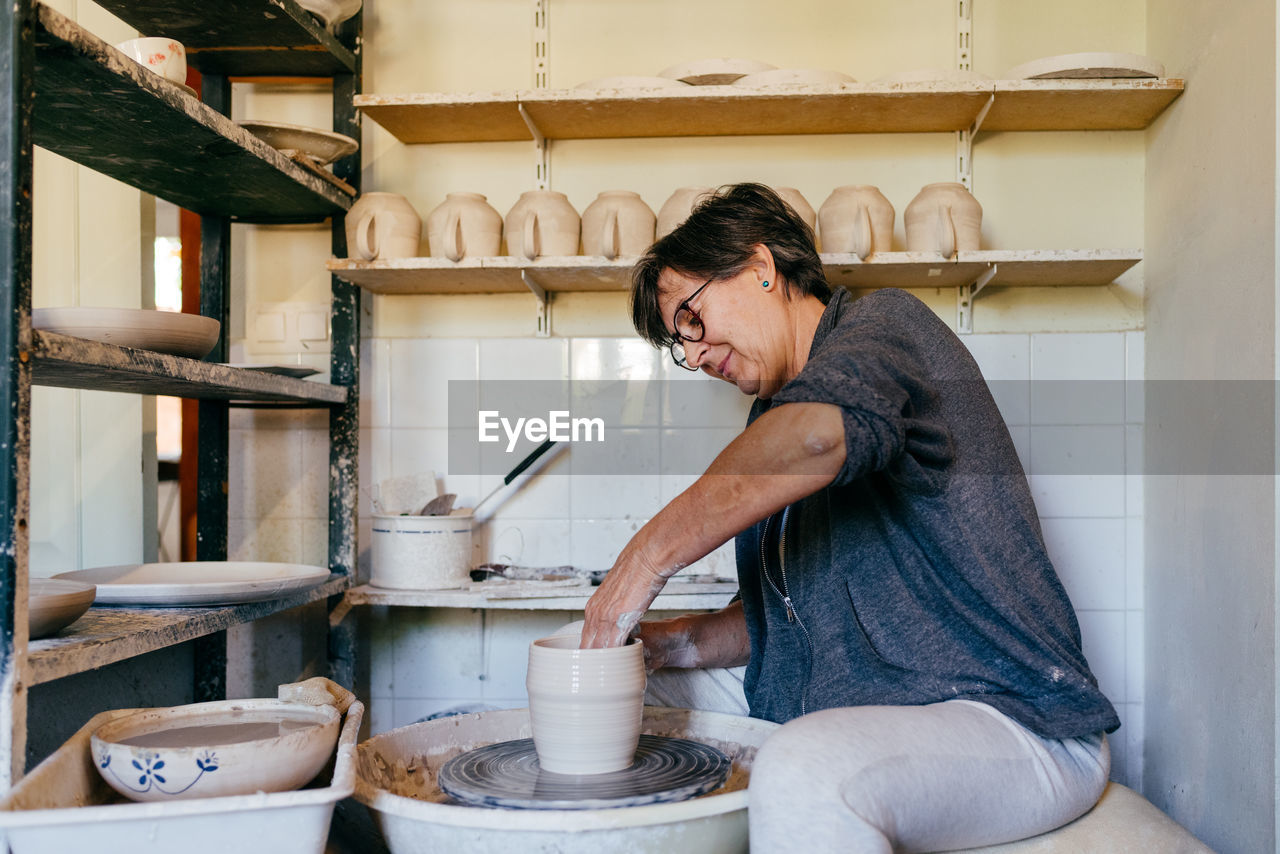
{"x": 421, "y": 552}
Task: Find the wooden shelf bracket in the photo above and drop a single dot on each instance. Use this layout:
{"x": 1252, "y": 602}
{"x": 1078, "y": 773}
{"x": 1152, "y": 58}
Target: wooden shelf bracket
{"x": 966, "y": 294}
{"x": 542, "y": 320}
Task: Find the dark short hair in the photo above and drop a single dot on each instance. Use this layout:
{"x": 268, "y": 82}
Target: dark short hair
{"x": 716, "y": 242}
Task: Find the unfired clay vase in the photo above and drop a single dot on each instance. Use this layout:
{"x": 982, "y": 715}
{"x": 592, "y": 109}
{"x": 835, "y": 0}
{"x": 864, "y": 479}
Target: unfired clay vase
{"x": 799, "y": 204}
{"x": 383, "y": 225}
{"x": 943, "y": 218}
{"x": 617, "y": 223}
{"x": 676, "y": 209}
{"x": 585, "y": 705}
{"x": 542, "y": 223}
{"x": 856, "y": 218}
{"x": 464, "y": 225}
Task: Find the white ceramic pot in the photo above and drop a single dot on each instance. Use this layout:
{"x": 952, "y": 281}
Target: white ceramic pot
{"x": 165, "y": 57}
{"x": 542, "y": 223}
{"x": 585, "y": 704}
{"x": 856, "y": 218}
{"x": 421, "y": 552}
{"x": 799, "y": 204}
{"x": 464, "y": 225}
{"x": 332, "y": 12}
{"x": 677, "y": 208}
{"x": 383, "y": 225}
{"x": 206, "y": 750}
{"x": 618, "y": 223}
{"x": 943, "y": 218}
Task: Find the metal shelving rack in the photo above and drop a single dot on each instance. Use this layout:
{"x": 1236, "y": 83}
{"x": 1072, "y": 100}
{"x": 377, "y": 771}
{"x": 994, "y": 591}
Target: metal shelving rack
{"x": 64, "y": 89}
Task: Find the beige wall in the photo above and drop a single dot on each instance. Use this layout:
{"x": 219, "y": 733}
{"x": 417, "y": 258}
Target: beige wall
{"x": 1210, "y": 544}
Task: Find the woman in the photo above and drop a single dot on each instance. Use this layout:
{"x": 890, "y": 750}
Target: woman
{"x": 898, "y": 611}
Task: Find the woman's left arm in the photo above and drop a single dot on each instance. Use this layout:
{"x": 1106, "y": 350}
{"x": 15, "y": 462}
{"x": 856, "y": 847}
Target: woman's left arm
{"x": 791, "y": 451}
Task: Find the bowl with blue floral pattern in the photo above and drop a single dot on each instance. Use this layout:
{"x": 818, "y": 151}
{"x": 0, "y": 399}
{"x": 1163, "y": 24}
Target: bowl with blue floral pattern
{"x": 209, "y": 750}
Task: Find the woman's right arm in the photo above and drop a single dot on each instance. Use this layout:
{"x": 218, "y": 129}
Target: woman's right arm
{"x": 718, "y": 639}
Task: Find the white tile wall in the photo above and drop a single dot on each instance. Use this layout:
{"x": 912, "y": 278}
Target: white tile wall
{"x": 421, "y": 662}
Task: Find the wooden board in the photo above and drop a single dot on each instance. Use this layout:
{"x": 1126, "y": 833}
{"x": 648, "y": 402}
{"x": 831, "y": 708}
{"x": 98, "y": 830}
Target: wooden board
{"x": 732, "y": 111}
{"x": 883, "y": 270}
{"x": 1080, "y": 104}
{"x": 97, "y": 107}
{"x": 60, "y": 360}
{"x": 242, "y": 37}
{"x": 539, "y": 596}
{"x": 106, "y": 635}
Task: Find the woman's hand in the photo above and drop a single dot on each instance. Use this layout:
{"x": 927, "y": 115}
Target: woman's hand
{"x": 620, "y": 601}
{"x": 667, "y": 643}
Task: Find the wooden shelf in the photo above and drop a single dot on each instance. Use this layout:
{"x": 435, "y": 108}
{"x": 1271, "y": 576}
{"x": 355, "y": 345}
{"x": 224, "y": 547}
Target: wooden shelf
{"x": 60, "y": 360}
{"x": 107, "y": 635}
{"x": 1089, "y": 267}
{"x": 734, "y": 111}
{"x": 539, "y": 596}
{"x": 243, "y": 38}
{"x": 97, "y": 107}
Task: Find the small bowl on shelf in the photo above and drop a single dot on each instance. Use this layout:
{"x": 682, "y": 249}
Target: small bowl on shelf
{"x": 319, "y": 146}
{"x": 55, "y": 603}
{"x": 714, "y": 72}
{"x": 209, "y": 750}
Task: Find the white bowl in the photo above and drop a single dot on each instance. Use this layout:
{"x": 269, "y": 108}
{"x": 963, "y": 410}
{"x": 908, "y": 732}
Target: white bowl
{"x": 190, "y": 335}
{"x": 165, "y": 57}
{"x": 934, "y": 75}
{"x": 332, "y": 12}
{"x": 713, "y": 72}
{"x": 322, "y": 146}
{"x": 779, "y": 78}
{"x": 208, "y": 750}
{"x": 631, "y": 82}
{"x": 1087, "y": 66}
{"x": 54, "y": 603}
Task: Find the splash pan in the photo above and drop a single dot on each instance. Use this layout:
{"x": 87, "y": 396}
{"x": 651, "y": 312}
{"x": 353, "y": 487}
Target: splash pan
{"x": 397, "y": 778}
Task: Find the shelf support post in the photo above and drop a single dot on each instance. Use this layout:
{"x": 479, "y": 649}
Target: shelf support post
{"x": 542, "y": 321}
{"x": 965, "y": 297}
{"x": 16, "y": 96}
{"x": 541, "y": 71}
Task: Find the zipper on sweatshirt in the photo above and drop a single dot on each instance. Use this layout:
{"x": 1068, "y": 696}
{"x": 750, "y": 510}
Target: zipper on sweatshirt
{"x": 784, "y": 594}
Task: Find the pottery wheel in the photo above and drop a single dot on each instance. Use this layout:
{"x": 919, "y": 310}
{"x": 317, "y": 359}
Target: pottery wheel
{"x": 507, "y": 774}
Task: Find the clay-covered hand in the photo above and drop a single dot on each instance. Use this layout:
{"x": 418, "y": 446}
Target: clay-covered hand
{"x": 619, "y": 603}
{"x": 667, "y": 643}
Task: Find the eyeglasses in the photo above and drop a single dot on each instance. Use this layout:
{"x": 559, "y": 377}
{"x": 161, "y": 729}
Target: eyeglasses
{"x": 688, "y": 326}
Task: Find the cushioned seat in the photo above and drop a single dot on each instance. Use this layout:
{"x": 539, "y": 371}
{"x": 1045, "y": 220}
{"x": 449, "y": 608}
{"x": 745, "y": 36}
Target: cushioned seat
{"x": 1122, "y": 822}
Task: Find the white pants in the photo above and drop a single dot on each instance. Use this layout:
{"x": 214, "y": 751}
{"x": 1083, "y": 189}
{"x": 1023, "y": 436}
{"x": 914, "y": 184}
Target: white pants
{"x": 882, "y": 779}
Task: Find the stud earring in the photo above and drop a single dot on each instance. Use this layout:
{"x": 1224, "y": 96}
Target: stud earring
{"x": 765, "y": 284}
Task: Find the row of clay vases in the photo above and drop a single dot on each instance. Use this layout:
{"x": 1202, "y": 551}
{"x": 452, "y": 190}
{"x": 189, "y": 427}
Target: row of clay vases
{"x": 857, "y": 219}
{"x": 942, "y": 218}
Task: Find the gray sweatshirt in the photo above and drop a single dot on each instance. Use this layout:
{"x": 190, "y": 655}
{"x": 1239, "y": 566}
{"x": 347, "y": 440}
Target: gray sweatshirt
{"x": 920, "y": 574}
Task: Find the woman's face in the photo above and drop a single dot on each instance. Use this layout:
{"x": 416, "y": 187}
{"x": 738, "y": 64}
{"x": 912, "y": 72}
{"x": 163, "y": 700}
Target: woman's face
{"x": 748, "y": 339}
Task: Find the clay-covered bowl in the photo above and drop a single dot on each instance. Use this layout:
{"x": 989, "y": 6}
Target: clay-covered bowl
{"x": 207, "y": 750}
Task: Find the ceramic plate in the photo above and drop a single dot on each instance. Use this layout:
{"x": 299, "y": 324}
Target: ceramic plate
{"x": 782, "y": 77}
{"x": 298, "y": 371}
{"x": 631, "y": 82}
{"x": 170, "y": 332}
{"x": 713, "y": 72}
{"x": 55, "y": 603}
{"x": 933, "y": 75}
{"x": 320, "y": 145}
{"x": 209, "y": 582}
{"x": 1087, "y": 65}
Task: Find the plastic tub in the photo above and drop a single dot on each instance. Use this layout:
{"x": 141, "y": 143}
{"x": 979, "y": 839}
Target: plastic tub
{"x": 64, "y": 805}
{"x": 421, "y": 552}
{"x": 396, "y": 779}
